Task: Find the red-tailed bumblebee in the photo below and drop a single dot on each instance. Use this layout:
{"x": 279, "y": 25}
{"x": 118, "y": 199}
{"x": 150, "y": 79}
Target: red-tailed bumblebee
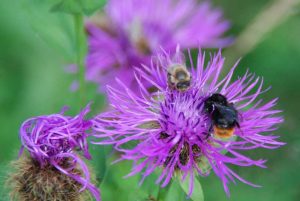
{"x": 224, "y": 117}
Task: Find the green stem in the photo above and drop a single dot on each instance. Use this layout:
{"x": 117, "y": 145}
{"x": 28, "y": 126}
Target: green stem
{"x": 80, "y": 39}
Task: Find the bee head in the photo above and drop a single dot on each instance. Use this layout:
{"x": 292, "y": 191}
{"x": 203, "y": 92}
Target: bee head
{"x": 219, "y": 99}
{"x": 182, "y": 86}
{"x": 214, "y": 101}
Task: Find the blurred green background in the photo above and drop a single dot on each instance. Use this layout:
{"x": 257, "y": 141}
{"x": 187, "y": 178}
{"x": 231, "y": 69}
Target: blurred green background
{"x": 36, "y": 45}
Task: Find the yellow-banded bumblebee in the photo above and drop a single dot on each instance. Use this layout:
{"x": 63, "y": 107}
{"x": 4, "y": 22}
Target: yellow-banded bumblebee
{"x": 223, "y": 115}
{"x": 179, "y": 78}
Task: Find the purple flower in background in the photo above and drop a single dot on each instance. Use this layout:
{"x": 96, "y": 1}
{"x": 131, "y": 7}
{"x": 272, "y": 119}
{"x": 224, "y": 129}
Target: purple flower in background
{"x": 129, "y": 32}
{"x": 173, "y": 130}
{"x": 55, "y": 140}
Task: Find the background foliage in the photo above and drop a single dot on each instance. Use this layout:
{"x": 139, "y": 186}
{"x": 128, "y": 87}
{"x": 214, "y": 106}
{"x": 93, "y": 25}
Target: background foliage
{"x": 36, "y": 45}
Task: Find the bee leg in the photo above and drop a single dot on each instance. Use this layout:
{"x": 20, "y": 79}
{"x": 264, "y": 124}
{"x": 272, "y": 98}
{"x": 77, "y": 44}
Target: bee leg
{"x": 237, "y": 124}
{"x": 239, "y": 127}
{"x": 209, "y": 133}
{"x": 207, "y": 136}
{"x": 211, "y": 129}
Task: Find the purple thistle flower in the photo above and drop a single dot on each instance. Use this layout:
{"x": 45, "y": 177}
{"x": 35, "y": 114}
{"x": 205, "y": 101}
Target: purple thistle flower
{"x": 131, "y": 31}
{"x": 53, "y": 139}
{"x": 170, "y": 129}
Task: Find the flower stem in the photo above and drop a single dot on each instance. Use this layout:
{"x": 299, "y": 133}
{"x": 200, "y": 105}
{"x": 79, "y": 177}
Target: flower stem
{"x": 266, "y": 21}
{"x": 80, "y": 39}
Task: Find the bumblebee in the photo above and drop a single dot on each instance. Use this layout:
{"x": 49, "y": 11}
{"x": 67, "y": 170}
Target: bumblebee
{"x": 224, "y": 116}
{"x": 179, "y": 78}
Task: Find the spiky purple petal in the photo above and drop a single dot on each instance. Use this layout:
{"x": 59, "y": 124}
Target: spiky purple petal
{"x": 170, "y": 130}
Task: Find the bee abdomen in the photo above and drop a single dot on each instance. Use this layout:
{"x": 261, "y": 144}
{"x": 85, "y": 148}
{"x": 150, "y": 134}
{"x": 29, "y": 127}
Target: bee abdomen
{"x": 223, "y": 132}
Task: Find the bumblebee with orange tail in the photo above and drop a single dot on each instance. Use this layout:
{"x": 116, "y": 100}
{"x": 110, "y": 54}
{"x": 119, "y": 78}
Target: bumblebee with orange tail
{"x": 224, "y": 116}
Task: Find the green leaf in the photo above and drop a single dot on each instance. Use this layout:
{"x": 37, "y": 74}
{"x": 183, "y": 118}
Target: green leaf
{"x": 86, "y": 7}
{"x": 197, "y": 192}
{"x": 173, "y": 192}
{"x": 115, "y": 187}
{"x": 149, "y": 186}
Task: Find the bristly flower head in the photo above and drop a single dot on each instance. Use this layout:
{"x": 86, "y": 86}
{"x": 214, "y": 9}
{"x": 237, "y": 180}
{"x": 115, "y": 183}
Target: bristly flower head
{"x": 53, "y": 141}
{"x": 172, "y": 130}
{"x": 131, "y": 31}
